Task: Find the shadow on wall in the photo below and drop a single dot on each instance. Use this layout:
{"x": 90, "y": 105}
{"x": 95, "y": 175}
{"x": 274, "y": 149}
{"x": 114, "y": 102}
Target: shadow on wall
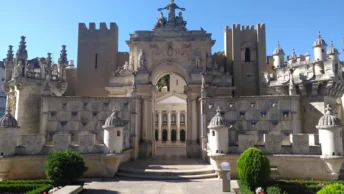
{"x": 310, "y": 116}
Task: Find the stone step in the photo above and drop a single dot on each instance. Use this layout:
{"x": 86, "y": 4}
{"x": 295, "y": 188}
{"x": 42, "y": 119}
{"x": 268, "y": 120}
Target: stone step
{"x": 167, "y": 177}
{"x": 166, "y": 172}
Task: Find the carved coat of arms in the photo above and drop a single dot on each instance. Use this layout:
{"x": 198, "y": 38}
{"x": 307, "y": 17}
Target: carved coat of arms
{"x": 306, "y": 72}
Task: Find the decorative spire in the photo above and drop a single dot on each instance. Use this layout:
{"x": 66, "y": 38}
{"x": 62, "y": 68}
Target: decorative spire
{"x": 63, "y": 56}
{"x": 278, "y": 50}
{"x": 319, "y": 41}
{"x": 115, "y": 111}
{"x": 22, "y": 52}
{"x": 319, "y": 34}
{"x": 9, "y": 54}
{"x": 218, "y": 111}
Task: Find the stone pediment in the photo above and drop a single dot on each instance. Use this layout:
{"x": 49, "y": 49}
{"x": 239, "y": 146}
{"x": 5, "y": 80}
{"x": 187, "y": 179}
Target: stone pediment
{"x": 171, "y": 98}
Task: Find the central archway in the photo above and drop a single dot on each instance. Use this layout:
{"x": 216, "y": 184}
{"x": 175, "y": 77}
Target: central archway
{"x": 170, "y": 108}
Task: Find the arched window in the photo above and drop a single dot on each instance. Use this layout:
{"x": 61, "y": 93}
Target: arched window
{"x": 118, "y": 133}
{"x": 156, "y": 135}
{"x": 173, "y": 119}
{"x": 182, "y": 119}
{"x": 182, "y": 135}
{"x": 174, "y": 135}
{"x": 213, "y": 133}
{"x": 247, "y": 55}
{"x": 164, "y": 135}
{"x": 164, "y": 119}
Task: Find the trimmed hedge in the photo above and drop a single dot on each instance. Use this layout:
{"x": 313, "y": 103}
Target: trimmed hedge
{"x": 335, "y": 188}
{"x": 28, "y": 188}
{"x": 253, "y": 168}
{"x": 65, "y": 167}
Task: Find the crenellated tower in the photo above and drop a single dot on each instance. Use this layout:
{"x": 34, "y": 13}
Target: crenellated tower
{"x": 97, "y": 58}
{"x": 245, "y": 48}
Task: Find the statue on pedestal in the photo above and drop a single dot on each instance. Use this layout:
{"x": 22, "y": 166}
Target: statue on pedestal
{"x": 180, "y": 21}
{"x": 171, "y": 7}
{"x": 142, "y": 60}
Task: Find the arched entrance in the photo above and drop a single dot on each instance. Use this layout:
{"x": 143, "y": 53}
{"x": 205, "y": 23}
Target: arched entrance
{"x": 170, "y": 107}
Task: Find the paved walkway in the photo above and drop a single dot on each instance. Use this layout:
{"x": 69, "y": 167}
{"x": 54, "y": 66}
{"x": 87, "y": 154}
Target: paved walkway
{"x": 131, "y": 186}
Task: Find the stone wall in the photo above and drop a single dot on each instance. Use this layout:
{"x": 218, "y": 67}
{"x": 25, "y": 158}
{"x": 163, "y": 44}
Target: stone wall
{"x": 257, "y": 115}
{"x": 76, "y": 122}
{"x": 32, "y": 167}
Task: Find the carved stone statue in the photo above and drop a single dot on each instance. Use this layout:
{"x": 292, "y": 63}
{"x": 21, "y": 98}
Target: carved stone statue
{"x": 209, "y": 62}
{"x": 18, "y": 69}
{"x": 180, "y": 21}
{"x": 171, "y": 7}
{"x": 161, "y": 21}
{"x": 197, "y": 61}
{"x": 142, "y": 59}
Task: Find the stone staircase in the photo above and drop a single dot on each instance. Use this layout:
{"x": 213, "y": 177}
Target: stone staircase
{"x": 166, "y": 170}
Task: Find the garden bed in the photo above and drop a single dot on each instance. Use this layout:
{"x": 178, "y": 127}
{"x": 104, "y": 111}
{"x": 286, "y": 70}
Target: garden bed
{"x": 290, "y": 186}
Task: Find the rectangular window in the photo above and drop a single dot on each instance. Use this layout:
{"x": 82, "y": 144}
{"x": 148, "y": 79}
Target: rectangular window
{"x": 96, "y": 61}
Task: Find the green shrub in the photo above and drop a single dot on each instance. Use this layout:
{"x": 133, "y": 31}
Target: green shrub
{"x": 332, "y": 189}
{"x": 65, "y": 167}
{"x": 273, "y": 190}
{"x": 40, "y": 190}
{"x": 253, "y": 168}
{"x": 244, "y": 189}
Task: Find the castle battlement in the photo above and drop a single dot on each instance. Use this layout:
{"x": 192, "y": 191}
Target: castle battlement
{"x": 239, "y": 27}
{"x": 103, "y": 28}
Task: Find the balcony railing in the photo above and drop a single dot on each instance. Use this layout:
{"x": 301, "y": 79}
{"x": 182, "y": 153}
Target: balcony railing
{"x": 182, "y": 122}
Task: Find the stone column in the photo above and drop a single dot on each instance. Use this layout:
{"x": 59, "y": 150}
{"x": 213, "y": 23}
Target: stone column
{"x": 203, "y": 128}
{"x": 145, "y": 119}
{"x": 194, "y": 120}
{"x": 160, "y": 126}
{"x": 178, "y": 126}
{"x": 169, "y": 126}
{"x": 188, "y": 118}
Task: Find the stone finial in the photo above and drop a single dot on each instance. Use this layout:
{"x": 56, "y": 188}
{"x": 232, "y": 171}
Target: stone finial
{"x": 217, "y": 121}
{"x": 8, "y": 121}
{"x": 63, "y": 56}
{"x": 328, "y": 120}
{"x": 22, "y": 52}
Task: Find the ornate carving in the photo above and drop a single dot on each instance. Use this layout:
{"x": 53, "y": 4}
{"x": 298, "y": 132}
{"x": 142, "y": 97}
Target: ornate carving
{"x": 306, "y": 72}
{"x": 11, "y": 101}
{"x": 283, "y": 75}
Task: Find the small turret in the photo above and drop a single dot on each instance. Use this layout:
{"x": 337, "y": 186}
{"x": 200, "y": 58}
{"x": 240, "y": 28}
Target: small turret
{"x": 218, "y": 134}
{"x": 278, "y": 56}
{"x": 8, "y": 133}
{"x": 330, "y": 131}
{"x": 113, "y": 133}
{"x": 319, "y": 48}
{"x": 333, "y": 53}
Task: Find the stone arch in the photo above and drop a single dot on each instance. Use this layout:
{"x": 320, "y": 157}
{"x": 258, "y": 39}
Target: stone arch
{"x": 164, "y": 69}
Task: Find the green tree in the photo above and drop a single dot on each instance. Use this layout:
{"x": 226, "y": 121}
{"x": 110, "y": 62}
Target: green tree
{"x": 164, "y": 81}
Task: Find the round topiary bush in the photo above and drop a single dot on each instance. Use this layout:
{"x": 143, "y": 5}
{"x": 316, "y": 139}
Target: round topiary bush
{"x": 65, "y": 167}
{"x": 332, "y": 189}
{"x": 253, "y": 168}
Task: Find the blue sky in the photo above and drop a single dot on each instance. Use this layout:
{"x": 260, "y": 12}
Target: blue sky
{"x": 48, "y": 24}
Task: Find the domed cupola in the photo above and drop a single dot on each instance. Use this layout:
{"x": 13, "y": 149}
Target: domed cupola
{"x": 328, "y": 120}
{"x": 278, "y": 50}
{"x": 332, "y": 50}
{"x": 319, "y": 41}
{"x": 8, "y": 121}
{"x": 217, "y": 121}
{"x": 113, "y": 120}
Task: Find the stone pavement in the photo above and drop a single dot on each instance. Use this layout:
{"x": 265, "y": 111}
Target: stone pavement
{"x": 132, "y": 186}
